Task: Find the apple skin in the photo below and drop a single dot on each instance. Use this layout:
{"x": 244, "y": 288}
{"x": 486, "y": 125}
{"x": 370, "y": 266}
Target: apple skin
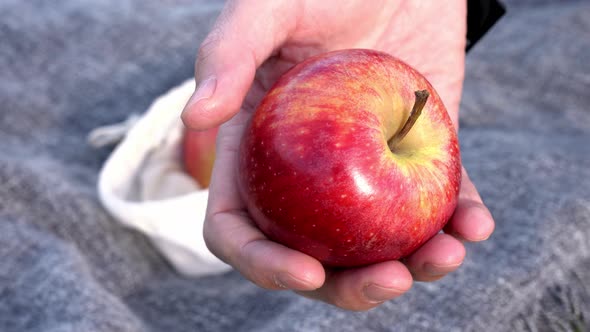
{"x": 316, "y": 171}
{"x": 198, "y": 154}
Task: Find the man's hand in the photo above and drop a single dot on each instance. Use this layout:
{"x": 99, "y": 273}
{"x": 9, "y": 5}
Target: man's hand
{"x": 250, "y": 46}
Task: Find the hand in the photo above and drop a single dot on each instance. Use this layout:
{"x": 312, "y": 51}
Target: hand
{"x": 250, "y": 46}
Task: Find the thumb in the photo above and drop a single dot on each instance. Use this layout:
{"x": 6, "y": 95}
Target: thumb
{"x": 243, "y": 37}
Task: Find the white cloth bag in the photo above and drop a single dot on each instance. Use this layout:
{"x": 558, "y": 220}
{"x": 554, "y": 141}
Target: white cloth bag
{"x": 143, "y": 184}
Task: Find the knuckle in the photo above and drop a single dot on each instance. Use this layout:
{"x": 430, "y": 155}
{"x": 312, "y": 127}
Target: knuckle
{"x": 210, "y": 45}
{"x": 353, "y": 305}
{"x": 208, "y": 235}
{"x": 211, "y": 237}
{"x": 341, "y": 299}
{"x": 263, "y": 279}
{"x": 253, "y": 269}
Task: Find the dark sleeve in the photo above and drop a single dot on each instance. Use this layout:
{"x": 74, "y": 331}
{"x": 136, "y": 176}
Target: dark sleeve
{"x": 481, "y": 16}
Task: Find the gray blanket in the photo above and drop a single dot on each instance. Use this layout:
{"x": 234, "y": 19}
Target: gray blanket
{"x": 69, "y": 66}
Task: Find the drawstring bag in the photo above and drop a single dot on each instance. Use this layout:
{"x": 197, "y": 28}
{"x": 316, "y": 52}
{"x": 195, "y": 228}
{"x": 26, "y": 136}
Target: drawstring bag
{"x": 144, "y": 186}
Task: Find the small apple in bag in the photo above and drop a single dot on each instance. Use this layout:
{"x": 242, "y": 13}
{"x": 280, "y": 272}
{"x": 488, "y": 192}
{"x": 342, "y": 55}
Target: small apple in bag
{"x": 198, "y": 154}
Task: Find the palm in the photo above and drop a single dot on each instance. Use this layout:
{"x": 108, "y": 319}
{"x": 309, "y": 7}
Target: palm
{"x": 407, "y": 32}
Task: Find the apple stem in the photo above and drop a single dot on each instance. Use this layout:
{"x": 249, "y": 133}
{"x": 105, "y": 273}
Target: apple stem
{"x": 421, "y": 98}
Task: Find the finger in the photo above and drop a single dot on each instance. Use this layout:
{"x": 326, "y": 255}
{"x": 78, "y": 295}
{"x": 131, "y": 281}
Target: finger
{"x": 472, "y": 221}
{"x": 364, "y": 288}
{"x": 245, "y": 34}
{"x": 232, "y": 238}
{"x": 437, "y": 257}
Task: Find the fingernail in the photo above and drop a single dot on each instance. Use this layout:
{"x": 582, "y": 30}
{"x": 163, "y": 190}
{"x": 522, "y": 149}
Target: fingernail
{"x": 288, "y": 281}
{"x": 435, "y": 270}
{"x": 377, "y": 294}
{"x": 205, "y": 90}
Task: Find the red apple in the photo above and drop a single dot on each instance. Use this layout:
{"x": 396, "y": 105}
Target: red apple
{"x": 198, "y": 154}
{"x": 338, "y": 163}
